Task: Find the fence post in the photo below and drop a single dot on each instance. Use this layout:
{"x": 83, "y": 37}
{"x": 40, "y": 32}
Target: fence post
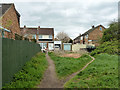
{"x": 0, "y": 63}
{"x": 0, "y": 50}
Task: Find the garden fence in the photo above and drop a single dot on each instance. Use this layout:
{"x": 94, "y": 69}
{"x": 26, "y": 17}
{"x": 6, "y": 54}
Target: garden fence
{"x": 15, "y": 53}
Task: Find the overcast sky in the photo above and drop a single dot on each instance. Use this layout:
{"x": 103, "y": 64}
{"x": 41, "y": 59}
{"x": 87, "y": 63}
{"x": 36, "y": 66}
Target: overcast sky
{"x": 70, "y": 16}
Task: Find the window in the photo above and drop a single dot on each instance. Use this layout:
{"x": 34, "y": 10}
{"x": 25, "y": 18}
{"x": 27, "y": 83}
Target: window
{"x": 50, "y": 36}
{"x": 87, "y": 36}
{"x": 33, "y": 36}
{"x": 40, "y": 36}
{"x": 81, "y": 38}
{"x": 43, "y": 45}
{"x": 90, "y": 40}
{"x": 100, "y": 28}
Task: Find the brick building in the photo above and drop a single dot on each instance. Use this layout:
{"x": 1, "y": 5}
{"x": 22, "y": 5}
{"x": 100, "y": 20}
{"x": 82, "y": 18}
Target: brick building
{"x": 92, "y": 36}
{"x": 10, "y": 20}
{"x": 43, "y": 36}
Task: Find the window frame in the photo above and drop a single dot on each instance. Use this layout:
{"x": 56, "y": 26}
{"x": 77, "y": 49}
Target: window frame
{"x": 86, "y": 36}
{"x": 39, "y": 37}
{"x": 50, "y": 37}
{"x": 100, "y": 28}
{"x": 81, "y": 38}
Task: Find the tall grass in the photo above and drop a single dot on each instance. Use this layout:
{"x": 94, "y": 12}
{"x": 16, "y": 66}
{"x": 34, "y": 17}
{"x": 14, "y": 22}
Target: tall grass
{"x": 31, "y": 73}
{"x": 102, "y": 73}
{"x": 66, "y": 65}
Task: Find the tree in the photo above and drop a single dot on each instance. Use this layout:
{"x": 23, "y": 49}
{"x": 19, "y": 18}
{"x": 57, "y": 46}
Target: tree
{"x": 62, "y": 36}
{"x": 70, "y": 41}
{"x": 110, "y": 33}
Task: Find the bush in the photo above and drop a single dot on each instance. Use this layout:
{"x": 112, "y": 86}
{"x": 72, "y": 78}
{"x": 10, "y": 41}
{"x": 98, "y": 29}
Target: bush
{"x": 107, "y": 47}
{"x": 110, "y": 33}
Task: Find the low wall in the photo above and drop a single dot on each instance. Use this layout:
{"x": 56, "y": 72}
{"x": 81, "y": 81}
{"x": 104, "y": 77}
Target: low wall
{"x": 77, "y": 47}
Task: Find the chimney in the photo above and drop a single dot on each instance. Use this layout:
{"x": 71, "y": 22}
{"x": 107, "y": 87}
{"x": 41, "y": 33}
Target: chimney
{"x": 24, "y": 26}
{"x": 93, "y": 26}
{"x": 38, "y": 27}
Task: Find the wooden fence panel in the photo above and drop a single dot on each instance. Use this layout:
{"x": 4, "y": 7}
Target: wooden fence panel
{"x": 15, "y": 53}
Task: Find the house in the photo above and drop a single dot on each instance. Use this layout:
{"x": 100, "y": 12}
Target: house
{"x": 43, "y": 36}
{"x": 92, "y": 36}
{"x": 9, "y": 20}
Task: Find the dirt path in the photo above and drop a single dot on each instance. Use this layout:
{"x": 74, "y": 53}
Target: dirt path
{"x": 50, "y": 79}
{"x": 74, "y": 74}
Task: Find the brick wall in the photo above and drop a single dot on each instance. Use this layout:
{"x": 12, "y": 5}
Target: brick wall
{"x": 96, "y": 34}
{"x": 10, "y": 21}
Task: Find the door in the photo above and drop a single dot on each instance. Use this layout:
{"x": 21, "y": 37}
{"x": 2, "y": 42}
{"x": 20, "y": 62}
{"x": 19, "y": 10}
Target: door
{"x": 50, "y": 46}
{"x": 42, "y": 45}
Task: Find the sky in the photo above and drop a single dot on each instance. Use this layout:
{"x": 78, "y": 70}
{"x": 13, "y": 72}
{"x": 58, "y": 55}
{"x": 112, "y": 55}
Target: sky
{"x": 73, "y": 17}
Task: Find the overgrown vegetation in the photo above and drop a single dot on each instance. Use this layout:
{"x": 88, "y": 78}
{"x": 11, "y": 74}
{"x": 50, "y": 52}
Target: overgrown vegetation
{"x": 66, "y": 65}
{"x": 111, "y": 33}
{"x": 31, "y": 73}
{"x": 109, "y": 41}
{"x": 106, "y": 47}
{"x": 101, "y": 73}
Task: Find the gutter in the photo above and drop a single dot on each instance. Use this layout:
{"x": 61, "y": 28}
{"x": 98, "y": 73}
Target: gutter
{"x": 4, "y": 29}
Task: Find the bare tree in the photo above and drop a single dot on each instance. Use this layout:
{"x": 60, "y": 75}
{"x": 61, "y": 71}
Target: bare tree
{"x": 63, "y": 37}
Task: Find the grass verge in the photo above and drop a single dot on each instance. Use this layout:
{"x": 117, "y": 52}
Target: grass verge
{"x": 31, "y": 73}
{"x": 66, "y": 65}
{"x": 102, "y": 73}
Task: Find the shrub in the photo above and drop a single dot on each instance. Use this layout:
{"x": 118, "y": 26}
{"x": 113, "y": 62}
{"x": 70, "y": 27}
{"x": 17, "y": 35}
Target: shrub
{"x": 110, "y": 33}
{"x": 107, "y": 47}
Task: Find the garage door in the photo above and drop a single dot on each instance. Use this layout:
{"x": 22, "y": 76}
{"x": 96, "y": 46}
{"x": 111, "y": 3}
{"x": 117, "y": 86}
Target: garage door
{"x": 50, "y": 46}
{"x": 67, "y": 47}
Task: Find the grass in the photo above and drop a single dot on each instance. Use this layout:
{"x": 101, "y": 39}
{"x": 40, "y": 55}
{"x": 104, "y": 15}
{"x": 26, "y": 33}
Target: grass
{"x": 66, "y": 65}
{"x": 101, "y": 73}
{"x": 31, "y": 73}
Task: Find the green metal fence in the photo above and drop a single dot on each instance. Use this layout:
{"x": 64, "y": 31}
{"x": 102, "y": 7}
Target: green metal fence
{"x": 15, "y": 53}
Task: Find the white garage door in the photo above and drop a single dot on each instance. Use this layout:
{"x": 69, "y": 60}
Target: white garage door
{"x": 50, "y": 46}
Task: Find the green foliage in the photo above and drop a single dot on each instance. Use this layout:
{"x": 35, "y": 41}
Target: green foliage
{"x": 101, "y": 73}
{"x": 106, "y": 47}
{"x": 111, "y": 33}
{"x": 109, "y": 41}
{"x": 66, "y": 65}
{"x": 31, "y": 73}
{"x": 34, "y": 40}
{"x": 18, "y": 37}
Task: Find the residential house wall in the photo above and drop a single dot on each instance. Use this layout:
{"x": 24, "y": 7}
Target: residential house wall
{"x": 11, "y": 21}
{"x": 92, "y": 36}
{"x": 43, "y": 36}
{"x": 96, "y": 34}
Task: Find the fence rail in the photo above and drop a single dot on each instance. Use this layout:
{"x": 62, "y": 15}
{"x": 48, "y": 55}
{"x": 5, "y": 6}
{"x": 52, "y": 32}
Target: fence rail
{"x": 15, "y": 53}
